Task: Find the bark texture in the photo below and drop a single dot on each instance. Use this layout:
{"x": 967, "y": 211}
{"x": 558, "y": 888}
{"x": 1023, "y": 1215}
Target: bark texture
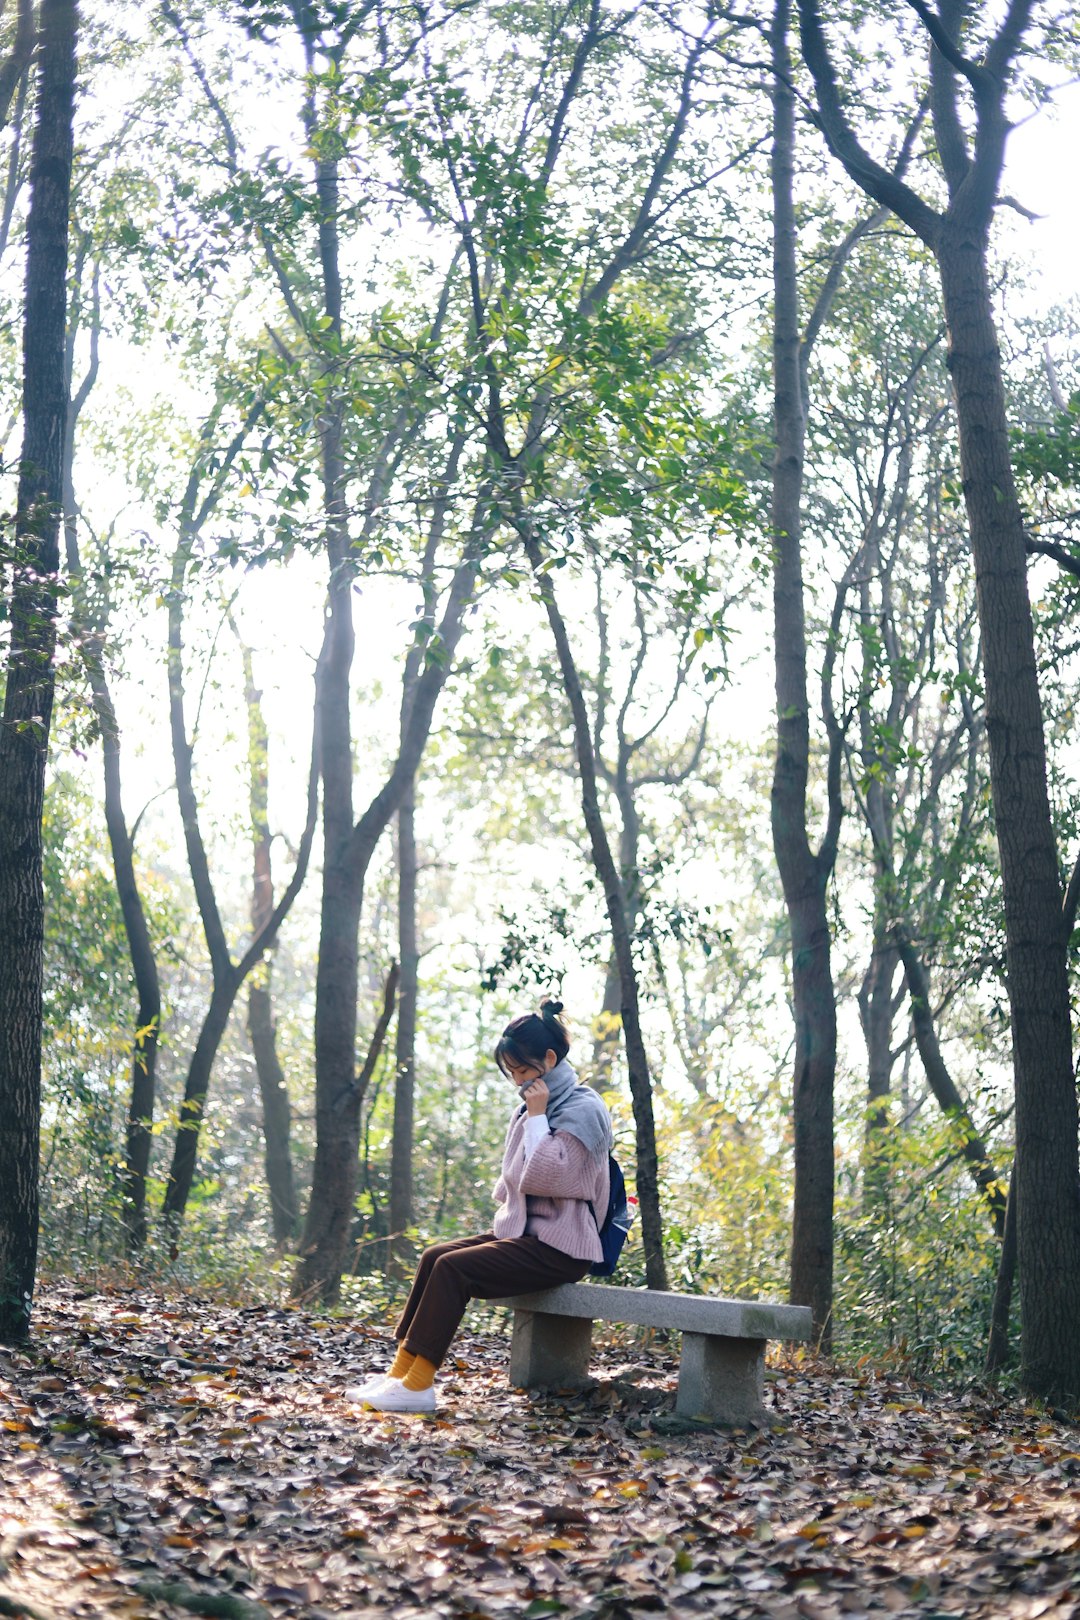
{"x": 28, "y": 697}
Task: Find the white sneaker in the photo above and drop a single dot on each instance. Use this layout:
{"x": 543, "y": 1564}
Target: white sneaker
{"x": 370, "y": 1386}
{"x": 394, "y": 1397}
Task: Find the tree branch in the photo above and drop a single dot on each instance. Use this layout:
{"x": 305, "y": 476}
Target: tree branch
{"x": 1069, "y": 560}
{"x": 884, "y": 187}
{"x": 18, "y": 59}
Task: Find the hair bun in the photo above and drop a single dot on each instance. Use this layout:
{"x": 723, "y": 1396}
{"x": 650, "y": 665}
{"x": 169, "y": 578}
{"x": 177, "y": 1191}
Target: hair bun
{"x": 549, "y": 1006}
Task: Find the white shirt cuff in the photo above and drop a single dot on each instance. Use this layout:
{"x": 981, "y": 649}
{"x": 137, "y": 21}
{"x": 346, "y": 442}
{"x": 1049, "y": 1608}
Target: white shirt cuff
{"x": 536, "y": 1128}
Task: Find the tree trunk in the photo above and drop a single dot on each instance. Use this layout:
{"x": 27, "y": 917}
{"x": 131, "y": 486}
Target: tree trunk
{"x": 401, "y": 1150}
{"x": 348, "y": 851}
{"x": 193, "y": 1107}
{"x": 997, "y": 1347}
{"x": 88, "y": 630}
{"x": 804, "y": 875}
{"x": 647, "y": 1172}
{"x": 944, "y": 1088}
{"x": 1047, "y": 1173}
{"x": 606, "y": 1038}
{"x": 144, "y": 968}
{"x": 876, "y": 1013}
{"x": 348, "y": 854}
{"x": 228, "y": 976}
{"x": 337, "y": 1108}
{"x": 606, "y": 1044}
{"x": 28, "y": 696}
{"x": 277, "y": 1114}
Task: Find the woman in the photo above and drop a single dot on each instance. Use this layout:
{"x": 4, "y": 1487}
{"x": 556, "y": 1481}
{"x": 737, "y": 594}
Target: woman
{"x": 554, "y": 1175}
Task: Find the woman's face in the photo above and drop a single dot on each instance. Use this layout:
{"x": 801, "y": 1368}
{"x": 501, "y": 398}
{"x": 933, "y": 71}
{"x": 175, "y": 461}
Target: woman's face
{"x": 519, "y": 1074}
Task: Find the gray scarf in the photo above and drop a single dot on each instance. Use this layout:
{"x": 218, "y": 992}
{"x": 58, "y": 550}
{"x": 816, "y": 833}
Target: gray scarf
{"x": 576, "y": 1108}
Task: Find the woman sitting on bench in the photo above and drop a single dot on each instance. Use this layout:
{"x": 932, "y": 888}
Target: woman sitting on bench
{"x": 554, "y": 1174}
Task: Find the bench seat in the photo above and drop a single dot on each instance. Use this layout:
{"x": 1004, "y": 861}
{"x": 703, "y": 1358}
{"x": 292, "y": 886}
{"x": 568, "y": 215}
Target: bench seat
{"x": 722, "y": 1366}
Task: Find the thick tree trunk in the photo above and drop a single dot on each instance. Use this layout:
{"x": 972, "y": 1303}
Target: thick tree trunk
{"x": 28, "y": 697}
{"x": 647, "y": 1172}
{"x": 803, "y": 874}
{"x": 1047, "y": 1174}
{"x": 401, "y": 1149}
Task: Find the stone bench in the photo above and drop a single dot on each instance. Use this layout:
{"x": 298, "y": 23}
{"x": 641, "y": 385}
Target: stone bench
{"x": 722, "y": 1367}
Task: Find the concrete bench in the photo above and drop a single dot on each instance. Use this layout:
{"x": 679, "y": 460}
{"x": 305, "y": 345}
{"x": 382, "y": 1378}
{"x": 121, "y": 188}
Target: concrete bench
{"x": 722, "y": 1367}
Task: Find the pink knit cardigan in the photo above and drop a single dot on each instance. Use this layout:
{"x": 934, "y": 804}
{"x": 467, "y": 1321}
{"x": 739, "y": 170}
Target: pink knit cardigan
{"x": 548, "y": 1195}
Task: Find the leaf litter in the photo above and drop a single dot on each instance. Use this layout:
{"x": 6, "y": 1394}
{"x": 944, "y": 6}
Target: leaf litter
{"x": 162, "y": 1457}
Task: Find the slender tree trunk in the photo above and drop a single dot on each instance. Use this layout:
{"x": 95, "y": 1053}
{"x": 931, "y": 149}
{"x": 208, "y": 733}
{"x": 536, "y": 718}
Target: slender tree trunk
{"x": 28, "y": 696}
{"x": 228, "y": 976}
{"x": 647, "y": 1170}
{"x": 606, "y": 1039}
{"x": 193, "y": 1106}
{"x": 401, "y": 1150}
{"x": 277, "y": 1114}
{"x": 337, "y": 1107}
{"x": 804, "y": 874}
{"x": 89, "y": 631}
{"x": 997, "y": 1347}
{"x": 1047, "y": 1172}
{"x": 348, "y": 852}
{"x": 876, "y": 1012}
{"x": 606, "y": 1045}
{"x": 944, "y": 1088}
{"x": 139, "y": 1139}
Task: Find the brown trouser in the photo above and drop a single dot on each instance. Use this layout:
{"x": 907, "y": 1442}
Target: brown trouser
{"x": 485, "y": 1267}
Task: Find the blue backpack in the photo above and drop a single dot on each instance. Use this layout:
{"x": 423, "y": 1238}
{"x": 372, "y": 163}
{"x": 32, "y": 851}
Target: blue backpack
{"x": 616, "y": 1223}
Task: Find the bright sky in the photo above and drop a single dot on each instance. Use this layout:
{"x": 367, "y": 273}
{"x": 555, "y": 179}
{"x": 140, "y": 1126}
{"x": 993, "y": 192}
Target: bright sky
{"x": 1040, "y": 175}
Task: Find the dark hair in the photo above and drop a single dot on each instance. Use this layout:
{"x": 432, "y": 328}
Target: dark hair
{"x": 527, "y": 1039}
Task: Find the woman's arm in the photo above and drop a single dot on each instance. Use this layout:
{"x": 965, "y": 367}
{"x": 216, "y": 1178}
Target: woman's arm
{"x": 561, "y": 1166}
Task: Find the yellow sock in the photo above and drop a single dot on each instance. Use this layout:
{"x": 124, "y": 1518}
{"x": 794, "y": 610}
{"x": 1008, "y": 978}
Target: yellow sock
{"x": 421, "y": 1375}
{"x": 401, "y": 1363}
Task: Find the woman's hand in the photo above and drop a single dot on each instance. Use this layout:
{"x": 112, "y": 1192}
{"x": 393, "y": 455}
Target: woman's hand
{"x": 535, "y": 1096}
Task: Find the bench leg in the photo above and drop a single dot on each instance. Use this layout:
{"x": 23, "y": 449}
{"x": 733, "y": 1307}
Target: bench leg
{"x": 549, "y": 1351}
{"x": 722, "y": 1379}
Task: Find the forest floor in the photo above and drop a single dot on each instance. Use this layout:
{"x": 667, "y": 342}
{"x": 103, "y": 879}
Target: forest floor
{"x": 167, "y": 1456}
